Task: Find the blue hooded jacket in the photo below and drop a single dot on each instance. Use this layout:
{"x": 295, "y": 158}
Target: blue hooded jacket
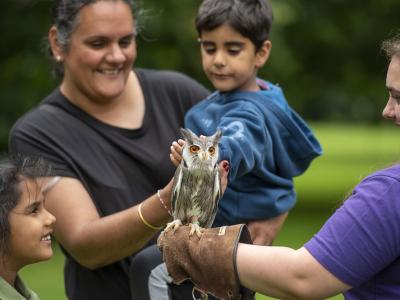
{"x": 266, "y": 143}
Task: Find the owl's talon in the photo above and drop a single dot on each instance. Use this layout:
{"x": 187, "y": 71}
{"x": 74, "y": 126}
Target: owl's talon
{"x": 174, "y": 225}
{"x": 195, "y": 228}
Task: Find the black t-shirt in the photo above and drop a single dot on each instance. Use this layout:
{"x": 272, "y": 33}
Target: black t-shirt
{"x": 118, "y": 167}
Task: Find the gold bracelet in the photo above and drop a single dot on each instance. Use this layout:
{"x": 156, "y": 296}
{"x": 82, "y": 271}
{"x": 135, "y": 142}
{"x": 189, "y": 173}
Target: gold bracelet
{"x": 144, "y": 221}
{"x": 163, "y": 203}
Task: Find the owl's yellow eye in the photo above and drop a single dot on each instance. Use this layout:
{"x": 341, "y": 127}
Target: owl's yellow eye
{"x": 211, "y": 150}
{"x": 194, "y": 149}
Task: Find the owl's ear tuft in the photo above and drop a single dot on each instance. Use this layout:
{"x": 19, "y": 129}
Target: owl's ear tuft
{"x": 217, "y": 136}
{"x": 187, "y": 134}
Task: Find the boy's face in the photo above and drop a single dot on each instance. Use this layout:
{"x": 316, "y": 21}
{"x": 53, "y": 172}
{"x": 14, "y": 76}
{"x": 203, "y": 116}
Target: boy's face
{"x": 230, "y": 60}
{"x": 31, "y": 226}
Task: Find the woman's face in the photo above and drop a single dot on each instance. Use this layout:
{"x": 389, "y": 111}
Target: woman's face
{"x": 101, "y": 52}
{"x": 30, "y": 227}
{"x": 392, "y": 108}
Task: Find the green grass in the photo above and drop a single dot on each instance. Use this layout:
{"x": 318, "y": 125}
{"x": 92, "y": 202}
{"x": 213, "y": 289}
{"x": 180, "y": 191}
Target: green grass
{"x": 46, "y": 278}
{"x": 350, "y": 153}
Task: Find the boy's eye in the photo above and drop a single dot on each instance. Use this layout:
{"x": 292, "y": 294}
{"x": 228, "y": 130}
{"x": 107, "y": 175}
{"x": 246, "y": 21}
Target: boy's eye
{"x": 209, "y": 50}
{"x": 233, "y": 51}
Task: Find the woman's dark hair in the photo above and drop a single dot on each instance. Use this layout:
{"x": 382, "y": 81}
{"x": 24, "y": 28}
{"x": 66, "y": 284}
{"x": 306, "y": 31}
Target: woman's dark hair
{"x": 13, "y": 171}
{"x": 65, "y": 17}
{"x": 251, "y": 18}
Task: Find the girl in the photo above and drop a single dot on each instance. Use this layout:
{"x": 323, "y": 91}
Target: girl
{"x": 25, "y": 224}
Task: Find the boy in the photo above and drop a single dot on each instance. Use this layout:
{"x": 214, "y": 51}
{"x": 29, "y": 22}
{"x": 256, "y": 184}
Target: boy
{"x": 264, "y": 140}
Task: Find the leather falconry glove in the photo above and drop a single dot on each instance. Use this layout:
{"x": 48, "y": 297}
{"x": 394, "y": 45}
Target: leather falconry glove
{"x": 209, "y": 262}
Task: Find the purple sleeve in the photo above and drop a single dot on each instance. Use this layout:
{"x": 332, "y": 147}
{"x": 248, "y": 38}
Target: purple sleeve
{"x": 363, "y": 236}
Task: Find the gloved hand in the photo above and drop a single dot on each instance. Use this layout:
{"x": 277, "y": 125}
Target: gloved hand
{"x": 209, "y": 262}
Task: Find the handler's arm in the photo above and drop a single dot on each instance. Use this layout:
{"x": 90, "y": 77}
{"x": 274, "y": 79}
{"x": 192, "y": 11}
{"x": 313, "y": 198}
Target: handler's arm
{"x": 285, "y": 273}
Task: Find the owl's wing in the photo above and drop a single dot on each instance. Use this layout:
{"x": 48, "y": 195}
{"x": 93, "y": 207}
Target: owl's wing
{"x": 176, "y": 187}
{"x": 216, "y": 195}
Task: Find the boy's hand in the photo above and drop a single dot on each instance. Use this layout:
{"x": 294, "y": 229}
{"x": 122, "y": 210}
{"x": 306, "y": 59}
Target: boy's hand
{"x": 176, "y": 152}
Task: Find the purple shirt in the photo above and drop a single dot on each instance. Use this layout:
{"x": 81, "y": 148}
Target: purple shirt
{"x": 360, "y": 243}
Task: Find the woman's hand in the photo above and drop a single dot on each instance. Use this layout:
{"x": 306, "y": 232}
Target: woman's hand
{"x": 224, "y": 171}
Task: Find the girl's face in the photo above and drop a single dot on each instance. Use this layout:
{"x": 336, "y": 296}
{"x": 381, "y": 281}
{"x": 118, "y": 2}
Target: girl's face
{"x": 392, "y": 108}
{"x": 101, "y": 52}
{"x": 31, "y": 227}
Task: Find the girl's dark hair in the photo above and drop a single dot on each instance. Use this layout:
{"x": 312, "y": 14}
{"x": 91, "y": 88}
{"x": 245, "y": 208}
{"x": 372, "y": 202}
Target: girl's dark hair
{"x": 251, "y": 18}
{"x": 65, "y": 17}
{"x": 14, "y": 170}
{"x": 391, "y": 47}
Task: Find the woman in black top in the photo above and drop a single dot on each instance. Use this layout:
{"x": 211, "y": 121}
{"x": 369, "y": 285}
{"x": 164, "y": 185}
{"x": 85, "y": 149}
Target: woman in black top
{"x": 107, "y": 130}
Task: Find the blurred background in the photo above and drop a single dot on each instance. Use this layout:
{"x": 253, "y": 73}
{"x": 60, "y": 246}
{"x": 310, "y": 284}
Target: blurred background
{"x": 326, "y": 56}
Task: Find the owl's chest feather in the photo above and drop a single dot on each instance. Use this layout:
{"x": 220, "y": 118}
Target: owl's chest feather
{"x": 196, "y": 193}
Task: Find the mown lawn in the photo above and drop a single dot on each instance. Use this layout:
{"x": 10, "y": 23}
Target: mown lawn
{"x": 350, "y": 153}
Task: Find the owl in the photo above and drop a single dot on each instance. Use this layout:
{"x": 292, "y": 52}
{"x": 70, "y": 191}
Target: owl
{"x": 197, "y": 183}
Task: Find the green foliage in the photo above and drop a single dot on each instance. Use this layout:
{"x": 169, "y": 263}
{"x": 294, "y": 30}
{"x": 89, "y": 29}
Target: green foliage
{"x": 332, "y": 47}
{"x": 24, "y": 72}
{"x": 326, "y": 54}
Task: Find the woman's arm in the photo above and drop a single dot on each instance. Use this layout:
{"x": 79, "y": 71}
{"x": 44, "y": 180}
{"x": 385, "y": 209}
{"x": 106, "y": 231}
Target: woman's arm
{"x": 285, "y": 273}
{"x": 96, "y": 241}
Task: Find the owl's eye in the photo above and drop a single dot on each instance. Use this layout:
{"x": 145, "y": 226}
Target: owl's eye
{"x": 194, "y": 149}
{"x": 211, "y": 150}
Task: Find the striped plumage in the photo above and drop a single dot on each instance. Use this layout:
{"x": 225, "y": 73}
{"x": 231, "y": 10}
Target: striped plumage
{"x": 197, "y": 188}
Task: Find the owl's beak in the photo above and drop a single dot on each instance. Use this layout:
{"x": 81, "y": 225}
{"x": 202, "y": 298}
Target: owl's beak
{"x": 204, "y": 156}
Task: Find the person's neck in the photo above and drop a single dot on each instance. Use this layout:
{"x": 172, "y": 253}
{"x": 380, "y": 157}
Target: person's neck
{"x": 86, "y": 101}
{"x": 7, "y": 272}
{"x": 126, "y": 111}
